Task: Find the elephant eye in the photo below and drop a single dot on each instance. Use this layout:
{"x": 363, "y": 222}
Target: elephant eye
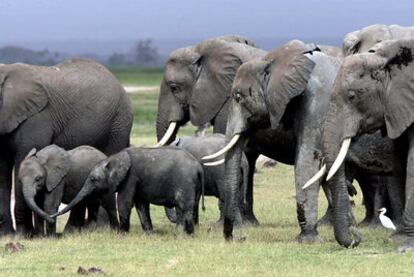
{"x": 38, "y": 178}
{"x": 237, "y": 96}
{"x": 174, "y": 88}
{"x": 93, "y": 179}
{"x": 351, "y": 95}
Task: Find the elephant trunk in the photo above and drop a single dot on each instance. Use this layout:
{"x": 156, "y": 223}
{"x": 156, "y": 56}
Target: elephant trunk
{"x": 29, "y": 193}
{"x": 344, "y": 230}
{"x": 169, "y": 111}
{"x": 232, "y": 181}
{"x": 82, "y": 194}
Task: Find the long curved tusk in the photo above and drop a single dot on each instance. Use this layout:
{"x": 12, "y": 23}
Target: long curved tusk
{"x": 167, "y": 134}
{"x": 316, "y": 177}
{"x": 232, "y": 142}
{"x": 340, "y": 158}
{"x": 214, "y": 163}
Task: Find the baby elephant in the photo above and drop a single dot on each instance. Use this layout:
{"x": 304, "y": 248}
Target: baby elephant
{"x": 166, "y": 176}
{"x": 53, "y": 176}
{"x": 200, "y": 146}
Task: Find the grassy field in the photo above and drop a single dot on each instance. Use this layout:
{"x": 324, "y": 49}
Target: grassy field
{"x": 270, "y": 249}
{"x": 138, "y": 76}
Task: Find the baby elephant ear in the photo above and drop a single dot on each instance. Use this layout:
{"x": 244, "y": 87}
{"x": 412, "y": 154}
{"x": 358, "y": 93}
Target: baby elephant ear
{"x": 57, "y": 164}
{"x": 399, "y": 97}
{"x": 289, "y": 75}
{"x": 117, "y": 168}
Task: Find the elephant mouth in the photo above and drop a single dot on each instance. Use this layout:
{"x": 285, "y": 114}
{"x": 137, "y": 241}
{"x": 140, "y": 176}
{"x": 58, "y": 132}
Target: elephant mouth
{"x": 340, "y": 158}
{"x": 224, "y": 150}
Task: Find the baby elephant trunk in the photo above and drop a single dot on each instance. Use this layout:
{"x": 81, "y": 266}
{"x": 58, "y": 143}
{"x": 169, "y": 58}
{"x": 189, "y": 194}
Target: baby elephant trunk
{"x": 29, "y": 193}
{"x": 82, "y": 194}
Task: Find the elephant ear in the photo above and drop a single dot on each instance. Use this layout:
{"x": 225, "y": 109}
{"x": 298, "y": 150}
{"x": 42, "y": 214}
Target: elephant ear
{"x": 351, "y": 43}
{"x": 289, "y": 75}
{"x": 117, "y": 168}
{"x": 22, "y": 95}
{"x": 57, "y": 163}
{"x": 399, "y": 96}
{"x": 219, "y": 61}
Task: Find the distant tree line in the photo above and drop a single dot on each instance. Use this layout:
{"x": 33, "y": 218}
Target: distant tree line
{"x": 143, "y": 53}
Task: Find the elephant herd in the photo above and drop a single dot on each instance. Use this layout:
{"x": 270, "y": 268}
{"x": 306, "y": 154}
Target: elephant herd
{"x": 337, "y": 115}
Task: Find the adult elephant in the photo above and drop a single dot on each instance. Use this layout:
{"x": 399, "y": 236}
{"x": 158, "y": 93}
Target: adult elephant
{"x": 196, "y": 87}
{"x": 287, "y": 88}
{"x": 362, "y": 40}
{"x": 77, "y": 102}
{"x": 373, "y": 91}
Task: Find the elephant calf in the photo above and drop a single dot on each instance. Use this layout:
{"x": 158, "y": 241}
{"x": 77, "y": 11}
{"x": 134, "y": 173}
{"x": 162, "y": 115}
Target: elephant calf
{"x": 166, "y": 176}
{"x": 200, "y": 146}
{"x": 53, "y": 176}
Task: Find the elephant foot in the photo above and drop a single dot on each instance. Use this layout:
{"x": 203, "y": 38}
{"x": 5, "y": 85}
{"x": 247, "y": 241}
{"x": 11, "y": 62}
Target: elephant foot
{"x": 25, "y": 232}
{"x": 309, "y": 237}
{"x": 407, "y": 246}
{"x": 6, "y": 229}
{"x": 370, "y": 222}
{"x": 327, "y": 219}
{"x": 250, "y": 219}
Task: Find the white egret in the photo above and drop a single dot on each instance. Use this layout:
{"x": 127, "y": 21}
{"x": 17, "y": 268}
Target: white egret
{"x": 385, "y": 220}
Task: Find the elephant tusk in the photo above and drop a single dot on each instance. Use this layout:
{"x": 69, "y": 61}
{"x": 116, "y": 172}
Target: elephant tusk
{"x": 316, "y": 177}
{"x": 232, "y": 142}
{"x": 167, "y": 134}
{"x": 340, "y": 158}
{"x": 214, "y": 163}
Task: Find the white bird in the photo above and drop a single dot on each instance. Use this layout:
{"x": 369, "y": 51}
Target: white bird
{"x": 385, "y": 220}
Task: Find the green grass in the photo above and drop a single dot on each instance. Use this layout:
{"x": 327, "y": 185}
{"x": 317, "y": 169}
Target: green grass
{"x": 270, "y": 249}
{"x": 138, "y": 76}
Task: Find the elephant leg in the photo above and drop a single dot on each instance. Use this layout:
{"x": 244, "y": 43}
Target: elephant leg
{"x": 306, "y": 200}
{"x": 408, "y": 217}
{"x": 371, "y": 198}
{"x": 248, "y": 215}
{"x": 221, "y": 209}
{"x": 125, "y": 204}
{"x": 143, "y": 209}
{"x": 39, "y": 222}
{"x": 395, "y": 191}
{"x": 327, "y": 218}
{"x": 6, "y": 169}
{"x": 76, "y": 219}
{"x": 171, "y": 214}
{"x": 109, "y": 204}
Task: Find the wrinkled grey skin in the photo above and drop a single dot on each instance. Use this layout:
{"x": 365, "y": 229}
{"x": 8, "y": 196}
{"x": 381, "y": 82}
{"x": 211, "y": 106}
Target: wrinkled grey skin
{"x": 77, "y": 102}
{"x": 201, "y": 146}
{"x": 373, "y": 91}
{"x": 291, "y": 89}
{"x": 166, "y": 176}
{"x": 362, "y": 40}
{"x": 54, "y": 176}
{"x": 196, "y": 87}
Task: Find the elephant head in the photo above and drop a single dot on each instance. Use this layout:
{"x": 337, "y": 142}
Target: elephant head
{"x": 43, "y": 170}
{"x": 372, "y": 91}
{"x": 362, "y": 40}
{"x": 261, "y": 92}
{"x": 106, "y": 176}
{"x": 197, "y": 83}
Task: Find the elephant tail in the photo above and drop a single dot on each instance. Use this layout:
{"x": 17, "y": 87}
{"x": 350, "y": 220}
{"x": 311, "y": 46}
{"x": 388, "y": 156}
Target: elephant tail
{"x": 201, "y": 180}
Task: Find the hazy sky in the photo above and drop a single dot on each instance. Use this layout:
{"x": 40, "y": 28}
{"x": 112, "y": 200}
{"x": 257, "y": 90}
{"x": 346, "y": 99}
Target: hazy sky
{"x": 124, "y": 19}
